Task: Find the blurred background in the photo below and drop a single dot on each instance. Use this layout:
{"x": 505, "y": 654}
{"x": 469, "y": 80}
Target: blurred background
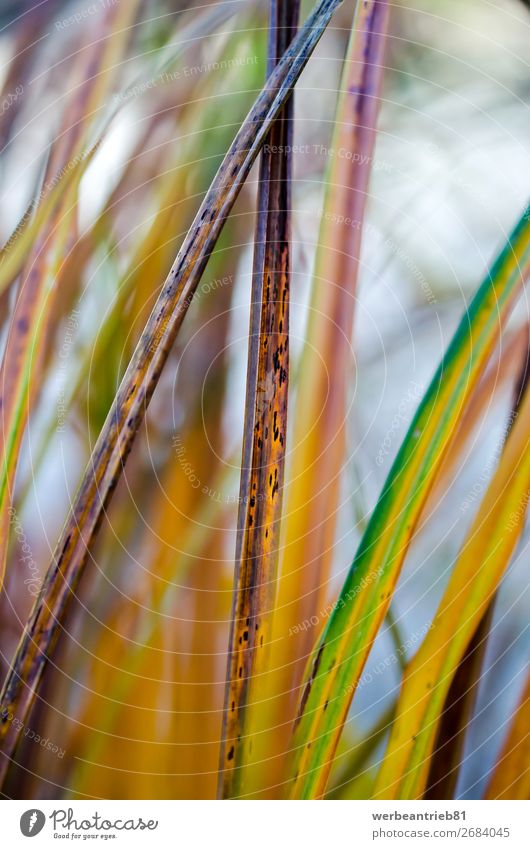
{"x": 134, "y": 702}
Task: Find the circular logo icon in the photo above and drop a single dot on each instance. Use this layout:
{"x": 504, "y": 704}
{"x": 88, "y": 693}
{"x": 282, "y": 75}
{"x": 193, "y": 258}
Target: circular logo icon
{"x": 31, "y": 822}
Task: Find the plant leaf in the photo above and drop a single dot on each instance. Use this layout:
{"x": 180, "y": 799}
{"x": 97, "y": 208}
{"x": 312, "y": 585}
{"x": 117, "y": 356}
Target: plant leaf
{"x": 265, "y": 432}
{"x": 480, "y": 566}
{"x": 339, "y": 657}
{"x": 459, "y": 705}
{"x": 317, "y": 456}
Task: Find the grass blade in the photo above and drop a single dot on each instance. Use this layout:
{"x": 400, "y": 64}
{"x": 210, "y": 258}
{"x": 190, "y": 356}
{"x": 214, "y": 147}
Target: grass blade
{"x": 480, "y": 566}
{"x": 29, "y": 32}
{"x": 27, "y": 332}
{"x": 265, "y": 431}
{"x": 135, "y": 392}
{"x": 168, "y": 687}
{"x": 339, "y": 657}
{"x": 318, "y": 453}
{"x": 14, "y": 252}
{"x": 460, "y": 702}
{"x": 503, "y": 368}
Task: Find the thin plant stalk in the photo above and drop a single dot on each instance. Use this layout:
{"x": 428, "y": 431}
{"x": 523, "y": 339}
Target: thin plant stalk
{"x": 265, "y": 431}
